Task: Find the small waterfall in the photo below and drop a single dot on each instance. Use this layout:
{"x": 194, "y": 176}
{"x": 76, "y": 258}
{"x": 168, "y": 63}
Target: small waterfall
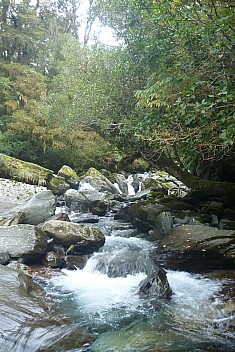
{"x": 129, "y": 181}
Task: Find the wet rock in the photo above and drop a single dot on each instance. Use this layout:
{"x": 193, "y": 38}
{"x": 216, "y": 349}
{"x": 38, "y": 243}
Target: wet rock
{"x": 197, "y": 248}
{"x": 155, "y": 285}
{"x": 68, "y": 233}
{"x": 214, "y": 221}
{"x": 85, "y": 218}
{"x": 29, "y": 322}
{"x": 75, "y": 261}
{"x": 53, "y": 260}
{"x": 83, "y": 201}
{"x": 99, "y": 207}
{"x": 179, "y": 221}
{"x": 4, "y": 258}
{"x": 23, "y": 241}
{"x": 150, "y": 217}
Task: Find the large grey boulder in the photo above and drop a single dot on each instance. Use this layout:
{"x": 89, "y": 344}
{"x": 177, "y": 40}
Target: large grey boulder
{"x": 23, "y": 241}
{"x": 14, "y": 193}
{"x": 39, "y": 208}
{"x": 87, "y": 200}
{"x": 77, "y": 238}
{"x": 149, "y": 217}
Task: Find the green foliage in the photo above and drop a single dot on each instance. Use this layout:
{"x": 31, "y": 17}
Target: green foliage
{"x": 187, "y": 50}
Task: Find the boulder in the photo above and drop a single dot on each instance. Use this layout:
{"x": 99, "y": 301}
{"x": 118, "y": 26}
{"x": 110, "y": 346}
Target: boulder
{"x": 148, "y": 217}
{"x": 97, "y": 181}
{"x": 74, "y": 236}
{"x": 58, "y": 185}
{"x": 23, "y": 241}
{"x": 29, "y": 323}
{"x": 12, "y": 219}
{"x": 70, "y": 176}
{"x": 4, "y": 258}
{"x": 38, "y": 209}
{"x": 155, "y": 285}
{"x": 87, "y": 200}
{"x": 197, "y": 248}
{"x": 14, "y": 194}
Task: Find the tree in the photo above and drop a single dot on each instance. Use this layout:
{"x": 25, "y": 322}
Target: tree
{"x": 186, "y": 110}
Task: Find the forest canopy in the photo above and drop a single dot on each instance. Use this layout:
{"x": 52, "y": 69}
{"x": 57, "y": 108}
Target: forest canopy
{"x": 165, "y": 92}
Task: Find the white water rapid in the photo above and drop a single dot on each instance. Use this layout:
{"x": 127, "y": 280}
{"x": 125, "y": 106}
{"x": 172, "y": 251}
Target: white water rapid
{"x": 103, "y": 298}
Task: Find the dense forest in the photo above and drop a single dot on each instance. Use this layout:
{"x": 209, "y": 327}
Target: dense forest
{"x": 164, "y": 93}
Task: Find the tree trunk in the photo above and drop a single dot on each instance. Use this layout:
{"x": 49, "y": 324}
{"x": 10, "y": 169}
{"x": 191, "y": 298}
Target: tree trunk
{"x": 211, "y": 188}
{"x": 24, "y": 171}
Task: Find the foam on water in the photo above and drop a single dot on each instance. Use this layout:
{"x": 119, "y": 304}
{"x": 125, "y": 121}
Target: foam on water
{"x": 95, "y": 292}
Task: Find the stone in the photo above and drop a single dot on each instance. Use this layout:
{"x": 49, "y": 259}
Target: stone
{"x": 214, "y": 221}
{"x": 68, "y": 233}
{"x": 155, "y": 285}
{"x": 24, "y": 171}
{"x": 98, "y": 181}
{"x": 99, "y": 207}
{"x": 12, "y": 219}
{"x": 29, "y": 322}
{"x": 53, "y": 260}
{"x": 197, "y": 248}
{"x": 39, "y": 208}
{"x": 58, "y": 185}
{"x": 70, "y": 176}
{"x": 86, "y": 200}
{"x": 75, "y": 262}
{"x": 23, "y": 241}
{"x": 4, "y": 258}
{"x": 150, "y": 217}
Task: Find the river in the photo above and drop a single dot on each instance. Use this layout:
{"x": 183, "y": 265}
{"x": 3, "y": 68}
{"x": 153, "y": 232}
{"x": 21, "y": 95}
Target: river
{"x": 103, "y": 299}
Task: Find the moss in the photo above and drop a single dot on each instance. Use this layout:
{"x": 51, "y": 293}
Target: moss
{"x": 58, "y": 185}
{"x": 68, "y": 173}
{"x": 24, "y": 171}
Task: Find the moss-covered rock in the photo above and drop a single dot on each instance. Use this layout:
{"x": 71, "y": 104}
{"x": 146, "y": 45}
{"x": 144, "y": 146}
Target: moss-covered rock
{"x": 24, "y": 171}
{"x": 58, "y": 185}
{"x": 70, "y": 176}
{"x": 98, "y": 181}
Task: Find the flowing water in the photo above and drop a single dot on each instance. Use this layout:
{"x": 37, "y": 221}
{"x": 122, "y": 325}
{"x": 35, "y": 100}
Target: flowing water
{"x": 103, "y": 298}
